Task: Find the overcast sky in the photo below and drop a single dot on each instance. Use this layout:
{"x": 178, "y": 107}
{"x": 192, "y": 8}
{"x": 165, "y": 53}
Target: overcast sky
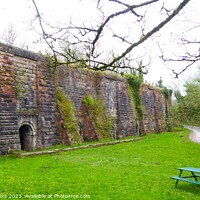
{"x": 21, "y": 14}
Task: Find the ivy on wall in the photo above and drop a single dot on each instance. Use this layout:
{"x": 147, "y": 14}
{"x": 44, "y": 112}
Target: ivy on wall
{"x": 135, "y": 83}
{"x": 20, "y": 79}
{"x": 69, "y": 114}
{"x": 16, "y": 79}
{"x": 103, "y": 124}
{"x": 167, "y": 94}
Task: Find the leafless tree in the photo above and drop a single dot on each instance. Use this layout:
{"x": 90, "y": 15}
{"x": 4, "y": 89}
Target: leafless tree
{"x": 190, "y": 53}
{"x": 81, "y": 43}
{"x": 9, "y": 35}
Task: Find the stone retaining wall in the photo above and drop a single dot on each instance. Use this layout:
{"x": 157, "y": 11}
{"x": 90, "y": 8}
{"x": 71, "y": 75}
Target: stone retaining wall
{"x": 28, "y": 113}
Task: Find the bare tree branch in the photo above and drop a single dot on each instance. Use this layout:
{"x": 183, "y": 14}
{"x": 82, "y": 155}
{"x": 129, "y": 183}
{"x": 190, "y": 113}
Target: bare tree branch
{"x": 150, "y": 33}
{"x": 130, "y": 8}
{"x": 88, "y": 37}
{"x": 9, "y": 35}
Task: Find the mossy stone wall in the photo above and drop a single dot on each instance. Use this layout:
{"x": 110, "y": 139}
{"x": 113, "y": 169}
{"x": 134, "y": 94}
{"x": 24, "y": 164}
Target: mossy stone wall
{"x": 28, "y": 98}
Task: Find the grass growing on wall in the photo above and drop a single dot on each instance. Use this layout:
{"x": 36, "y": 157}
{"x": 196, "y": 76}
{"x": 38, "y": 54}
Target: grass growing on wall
{"x": 135, "y": 83}
{"x": 167, "y": 94}
{"x": 68, "y": 111}
{"x": 103, "y": 124}
{"x": 20, "y": 79}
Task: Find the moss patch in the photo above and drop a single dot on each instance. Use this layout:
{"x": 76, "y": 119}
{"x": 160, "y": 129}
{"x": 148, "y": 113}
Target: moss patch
{"x": 103, "y": 124}
{"x": 69, "y": 114}
{"x": 168, "y": 94}
{"x": 135, "y": 83}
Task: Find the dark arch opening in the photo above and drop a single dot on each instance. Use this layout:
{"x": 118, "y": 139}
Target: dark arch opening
{"x": 25, "y": 133}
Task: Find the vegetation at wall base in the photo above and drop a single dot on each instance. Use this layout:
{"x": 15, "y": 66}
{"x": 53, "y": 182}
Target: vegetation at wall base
{"x": 136, "y": 170}
{"x": 103, "y": 123}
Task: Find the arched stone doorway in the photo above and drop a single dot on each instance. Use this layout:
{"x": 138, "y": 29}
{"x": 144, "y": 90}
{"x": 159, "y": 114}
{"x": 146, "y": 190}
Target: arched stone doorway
{"x": 26, "y": 137}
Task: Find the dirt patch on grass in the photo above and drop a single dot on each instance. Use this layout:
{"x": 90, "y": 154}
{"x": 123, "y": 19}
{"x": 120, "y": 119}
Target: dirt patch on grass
{"x": 194, "y": 137}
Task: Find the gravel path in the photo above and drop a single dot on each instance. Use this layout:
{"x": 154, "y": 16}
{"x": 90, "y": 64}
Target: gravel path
{"x": 195, "y": 134}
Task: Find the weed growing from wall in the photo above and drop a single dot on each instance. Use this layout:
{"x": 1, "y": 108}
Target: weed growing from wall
{"x": 135, "y": 83}
{"x": 20, "y": 79}
{"x": 68, "y": 112}
{"x": 167, "y": 93}
{"x": 103, "y": 124}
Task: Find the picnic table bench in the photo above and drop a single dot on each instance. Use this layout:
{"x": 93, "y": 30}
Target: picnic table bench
{"x": 192, "y": 178}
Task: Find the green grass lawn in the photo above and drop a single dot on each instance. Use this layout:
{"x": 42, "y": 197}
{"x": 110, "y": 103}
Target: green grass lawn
{"x": 136, "y": 171}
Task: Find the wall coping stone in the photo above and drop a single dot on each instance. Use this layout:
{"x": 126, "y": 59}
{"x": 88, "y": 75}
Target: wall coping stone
{"x": 99, "y": 74}
{"x": 19, "y": 52}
